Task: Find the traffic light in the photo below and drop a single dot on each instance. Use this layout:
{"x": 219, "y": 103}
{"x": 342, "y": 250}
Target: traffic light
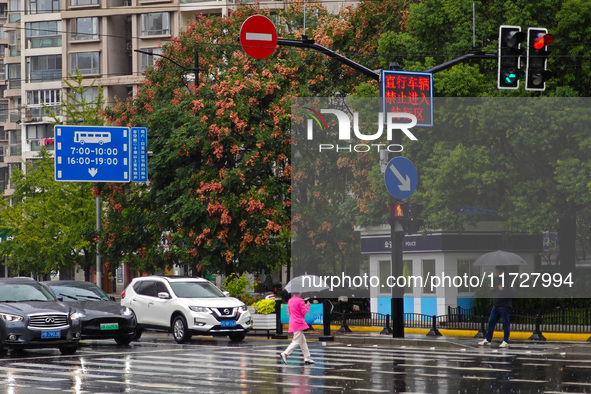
{"x": 536, "y": 74}
{"x": 400, "y": 212}
{"x": 277, "y": 287}
{"x": 415, "y": 221}
{"x": 408, "y": 215}
{"x": 509, "y": 67}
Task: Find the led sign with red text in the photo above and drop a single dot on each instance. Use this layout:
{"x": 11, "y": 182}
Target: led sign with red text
{"x": 409, "y": 92}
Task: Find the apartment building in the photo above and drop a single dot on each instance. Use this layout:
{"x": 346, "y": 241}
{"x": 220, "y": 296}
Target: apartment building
{"x": 42, "y": 40}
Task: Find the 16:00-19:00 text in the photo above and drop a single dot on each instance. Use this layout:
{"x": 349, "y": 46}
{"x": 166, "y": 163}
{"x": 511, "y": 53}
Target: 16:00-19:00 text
{"x": 110, "y": 161}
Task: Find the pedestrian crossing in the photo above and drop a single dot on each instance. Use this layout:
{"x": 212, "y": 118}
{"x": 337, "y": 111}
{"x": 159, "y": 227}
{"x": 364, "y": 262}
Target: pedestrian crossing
{"x": 254, "y": 366}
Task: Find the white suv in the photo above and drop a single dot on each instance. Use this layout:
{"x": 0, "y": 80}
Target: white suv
{"x": 185, "y": 306}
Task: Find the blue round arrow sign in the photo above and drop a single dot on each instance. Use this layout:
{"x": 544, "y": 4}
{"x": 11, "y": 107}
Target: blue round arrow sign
{"x": 401, "y": 177}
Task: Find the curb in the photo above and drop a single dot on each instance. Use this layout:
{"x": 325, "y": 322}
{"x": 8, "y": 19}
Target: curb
{"x": 515, "y": 335}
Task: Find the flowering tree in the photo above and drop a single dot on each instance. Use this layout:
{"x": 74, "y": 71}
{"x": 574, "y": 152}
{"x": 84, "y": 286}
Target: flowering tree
{"x": 219, "y": 192}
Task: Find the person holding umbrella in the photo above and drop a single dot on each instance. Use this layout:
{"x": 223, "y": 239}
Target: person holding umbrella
{"x": 297, "y": 309}
{"x": 502, "y": 304}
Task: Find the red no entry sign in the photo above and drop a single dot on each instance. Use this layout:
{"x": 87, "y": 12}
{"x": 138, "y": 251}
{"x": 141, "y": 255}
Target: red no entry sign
{"x": 258, "y": 36}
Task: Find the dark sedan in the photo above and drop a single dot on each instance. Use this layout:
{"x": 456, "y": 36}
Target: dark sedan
{"x": 103, "y": 318}
{"x": 32, "y": 317}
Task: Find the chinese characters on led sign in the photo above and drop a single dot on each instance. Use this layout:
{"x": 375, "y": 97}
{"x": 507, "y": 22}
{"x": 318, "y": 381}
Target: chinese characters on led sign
{"x": 408, "y": 92}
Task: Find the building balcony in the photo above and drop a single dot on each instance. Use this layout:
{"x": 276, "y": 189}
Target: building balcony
{"x": 35, "y": 145}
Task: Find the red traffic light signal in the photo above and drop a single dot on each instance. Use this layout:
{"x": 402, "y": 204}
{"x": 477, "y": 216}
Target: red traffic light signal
{"x": 536, "y": 73}
{"x": 398, "y": 210}
{"x": 542, "y": 41}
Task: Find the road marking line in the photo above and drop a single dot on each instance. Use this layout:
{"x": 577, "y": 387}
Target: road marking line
{"x": 311, "y": 376}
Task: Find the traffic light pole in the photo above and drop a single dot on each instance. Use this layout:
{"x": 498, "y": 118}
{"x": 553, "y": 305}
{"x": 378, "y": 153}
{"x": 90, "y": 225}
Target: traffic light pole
{"x": 461, "y": 59}
{"x": 310, "y": 44}
{"x": 396, "y": 229}
{"x": 396, "y": 241}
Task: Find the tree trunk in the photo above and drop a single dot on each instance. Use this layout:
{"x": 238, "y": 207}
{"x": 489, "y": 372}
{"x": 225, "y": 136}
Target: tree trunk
{"x": 567, "y": 239}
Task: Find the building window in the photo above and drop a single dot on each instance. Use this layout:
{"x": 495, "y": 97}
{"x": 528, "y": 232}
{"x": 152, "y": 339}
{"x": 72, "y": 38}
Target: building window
{"x": 43, "y": 97}
{"x": 3, "y": 116}
{"x": 85, "y": 28}
{"x": 44, "y": 34}
{"x": 89, "y": 95}
{"x": 14, "y": 43}
{"x": 465, "y": 269}
{"x": 45, "y": 68}
{"x": 428, "y": 273}
{"x": 86, "y": 62}
{"x": 14, "y": 75}
{"x": 385, "y": 287}
{"x": 14, "y": 138}
{"x": 43, "y": 6}
{"x": 37, "y": 100}
{"x": 384, "y": 266}
{"x": 75, "y": 3}
{"x": 147, "y": 61}
{"x": 37, "y": 131}
{"x": 40, "y": 135}
{"x": 156, "y": 24}
{"x": 407, "y": 273}
{"x": 14, "y": 13}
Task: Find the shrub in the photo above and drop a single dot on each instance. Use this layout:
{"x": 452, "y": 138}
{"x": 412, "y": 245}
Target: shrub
{"x": 264, "y": 307}
{"x": 237, "y": 286}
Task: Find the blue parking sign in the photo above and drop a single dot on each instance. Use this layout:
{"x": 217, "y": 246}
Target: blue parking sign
{"x": 92, "y": 154}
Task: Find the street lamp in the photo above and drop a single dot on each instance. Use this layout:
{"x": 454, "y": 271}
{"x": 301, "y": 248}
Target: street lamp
{"x": 195, "y": 70}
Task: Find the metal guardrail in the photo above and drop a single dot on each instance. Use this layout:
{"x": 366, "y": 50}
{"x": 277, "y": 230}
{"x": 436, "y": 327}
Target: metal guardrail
{"x": 563, "y": 321}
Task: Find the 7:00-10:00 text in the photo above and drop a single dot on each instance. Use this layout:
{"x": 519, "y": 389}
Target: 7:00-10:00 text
{"x": 94, "y": 151}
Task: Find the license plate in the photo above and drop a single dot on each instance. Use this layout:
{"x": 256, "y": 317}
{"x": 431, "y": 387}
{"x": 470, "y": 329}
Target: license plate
{"x": 109, "y": 326}
{"x": 228, "y": 323}
{"x": 51, "y": 334}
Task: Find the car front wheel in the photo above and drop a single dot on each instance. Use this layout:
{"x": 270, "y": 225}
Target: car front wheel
{"x": 180, "y": 331}
{"x": 237, "y": 336}
{"x": 124, "y": 340}
{"x": 68, "y": 350}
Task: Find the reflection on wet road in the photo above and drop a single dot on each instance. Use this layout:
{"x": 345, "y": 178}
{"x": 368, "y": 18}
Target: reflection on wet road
{"x": 157, "y": 365}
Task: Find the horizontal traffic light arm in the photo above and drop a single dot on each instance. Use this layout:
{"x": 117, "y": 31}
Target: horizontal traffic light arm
{"x": 461, "y": 59}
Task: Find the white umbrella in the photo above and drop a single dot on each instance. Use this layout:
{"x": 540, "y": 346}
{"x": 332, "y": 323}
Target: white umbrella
{"x": 499, "y": 257}
{"x": 306, "y": 284}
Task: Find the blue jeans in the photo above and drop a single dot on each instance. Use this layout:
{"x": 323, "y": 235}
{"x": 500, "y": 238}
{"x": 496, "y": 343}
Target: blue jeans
{"x": 495, "y": 314}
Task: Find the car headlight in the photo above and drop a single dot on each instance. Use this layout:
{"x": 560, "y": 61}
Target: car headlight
{"x": 242, "y": 308}
{"x": 201, "y": 309}
{"x": 76, "y": 315}
{"x": 11, "y": 318}
{"x": 127, "y": 311}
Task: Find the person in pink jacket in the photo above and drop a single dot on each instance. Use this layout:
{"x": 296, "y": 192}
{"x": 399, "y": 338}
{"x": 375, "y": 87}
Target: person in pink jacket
{"x": 297, "y": 309}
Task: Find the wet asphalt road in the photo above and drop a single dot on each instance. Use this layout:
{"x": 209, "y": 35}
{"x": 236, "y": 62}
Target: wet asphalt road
{"x": 156, "y": 364}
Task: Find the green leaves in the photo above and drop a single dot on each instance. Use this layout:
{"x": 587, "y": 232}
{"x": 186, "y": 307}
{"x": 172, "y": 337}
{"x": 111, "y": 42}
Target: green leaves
{"x": 52, "y": 223}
